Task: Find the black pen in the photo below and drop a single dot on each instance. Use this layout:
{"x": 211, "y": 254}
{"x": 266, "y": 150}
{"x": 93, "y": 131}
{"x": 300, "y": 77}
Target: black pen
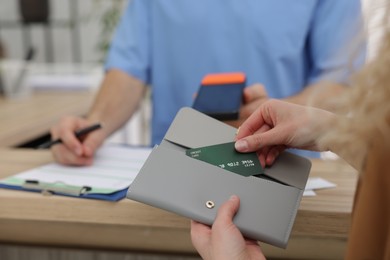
{"x": 79, "y": 133}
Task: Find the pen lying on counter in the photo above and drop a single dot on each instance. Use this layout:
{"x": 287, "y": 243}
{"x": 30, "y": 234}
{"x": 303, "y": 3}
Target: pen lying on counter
{"x": 79, "y": 133}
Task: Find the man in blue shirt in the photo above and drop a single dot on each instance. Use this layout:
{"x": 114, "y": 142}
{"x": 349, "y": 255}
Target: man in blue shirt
{"x": 287, "y": 46}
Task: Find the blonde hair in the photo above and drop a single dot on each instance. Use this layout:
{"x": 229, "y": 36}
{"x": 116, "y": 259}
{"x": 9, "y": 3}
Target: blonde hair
{"x": 366, "y": 105}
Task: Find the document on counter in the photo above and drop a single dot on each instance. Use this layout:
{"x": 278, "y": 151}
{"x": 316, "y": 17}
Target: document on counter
{"x": 113, "y": 170}
{"x": 316, "y": 183}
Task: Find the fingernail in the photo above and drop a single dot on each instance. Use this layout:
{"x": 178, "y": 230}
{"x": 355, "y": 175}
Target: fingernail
{"x": 241, "y": 145}
{"x": 233, "y": 197}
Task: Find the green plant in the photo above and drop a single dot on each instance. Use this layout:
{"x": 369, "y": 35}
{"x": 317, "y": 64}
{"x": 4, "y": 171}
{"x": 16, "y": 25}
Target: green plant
{"x": 108, "y": 21}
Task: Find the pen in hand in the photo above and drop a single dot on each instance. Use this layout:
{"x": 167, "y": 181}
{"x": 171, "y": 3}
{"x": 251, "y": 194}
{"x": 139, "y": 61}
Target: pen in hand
{"x": 79, "y": 133}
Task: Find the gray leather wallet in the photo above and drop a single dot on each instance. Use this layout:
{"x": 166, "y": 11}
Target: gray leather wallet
{"x": 172, "y": 181}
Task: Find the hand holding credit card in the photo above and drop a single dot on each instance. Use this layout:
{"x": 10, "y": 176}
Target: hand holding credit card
{"x": 226, "y": 157}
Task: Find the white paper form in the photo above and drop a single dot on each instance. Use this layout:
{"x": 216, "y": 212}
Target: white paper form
{"x": 316, "y": 183}
{"x": 114, "y": 168}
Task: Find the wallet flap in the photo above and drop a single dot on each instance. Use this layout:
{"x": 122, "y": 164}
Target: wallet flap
{"x": 193, "y": 129}
{"x": 290, "y": 169}
{"x": 172, "y": 181}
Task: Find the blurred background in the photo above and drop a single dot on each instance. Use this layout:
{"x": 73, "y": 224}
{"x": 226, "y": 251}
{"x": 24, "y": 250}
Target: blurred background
{"x": 69, "y": 39}
{"x": 72, "y": 36}
{"x": 60, "y": 30}
{"x": 80, "y": 31}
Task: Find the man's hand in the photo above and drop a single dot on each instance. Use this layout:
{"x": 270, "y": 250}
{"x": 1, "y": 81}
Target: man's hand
{"x": 254, "y": 96}
{"x": 116, "y": 101}
{"x": 73, "y": 151}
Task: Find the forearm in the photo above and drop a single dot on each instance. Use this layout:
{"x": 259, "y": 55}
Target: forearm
{"x": 331, "y": 133}
{"x": 318, "y": 95}
{"x": 116, "y": 101}
{"x": 353, "y": 159}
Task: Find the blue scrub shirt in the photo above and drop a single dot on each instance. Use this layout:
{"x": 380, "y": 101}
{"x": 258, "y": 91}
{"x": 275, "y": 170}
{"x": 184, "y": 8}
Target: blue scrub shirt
{"x": 283, "y": 44}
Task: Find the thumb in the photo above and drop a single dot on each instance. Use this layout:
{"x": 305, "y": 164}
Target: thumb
{"x": 91, "y": 143}
{"x": 227, "y": 211}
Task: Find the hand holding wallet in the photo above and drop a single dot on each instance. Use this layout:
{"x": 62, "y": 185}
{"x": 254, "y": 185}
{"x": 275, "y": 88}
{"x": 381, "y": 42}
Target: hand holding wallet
{"x": 175, "y": 182}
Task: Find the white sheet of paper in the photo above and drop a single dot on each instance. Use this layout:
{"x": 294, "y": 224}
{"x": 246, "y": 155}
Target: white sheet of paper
{"x": 315, "y": 183}
{"x": 114, "y": 169}
{"x": 309, "y": 193}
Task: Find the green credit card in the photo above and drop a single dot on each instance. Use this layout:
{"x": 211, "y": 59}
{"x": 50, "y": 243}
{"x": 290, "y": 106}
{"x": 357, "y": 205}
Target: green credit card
{"x": 226, "y": 157}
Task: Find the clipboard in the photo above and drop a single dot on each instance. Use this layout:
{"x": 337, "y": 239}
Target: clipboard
{"x": 114, "y": 168}
{"x": 80, "y": 192}
{"x": 172, "y": 181}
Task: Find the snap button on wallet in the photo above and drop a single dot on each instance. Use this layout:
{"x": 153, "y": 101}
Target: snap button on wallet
{"x": 195, "y": 189}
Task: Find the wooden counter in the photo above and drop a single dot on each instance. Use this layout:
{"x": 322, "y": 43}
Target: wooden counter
{"x": 25, "y": 119}
{"x": 27, "y": 218}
